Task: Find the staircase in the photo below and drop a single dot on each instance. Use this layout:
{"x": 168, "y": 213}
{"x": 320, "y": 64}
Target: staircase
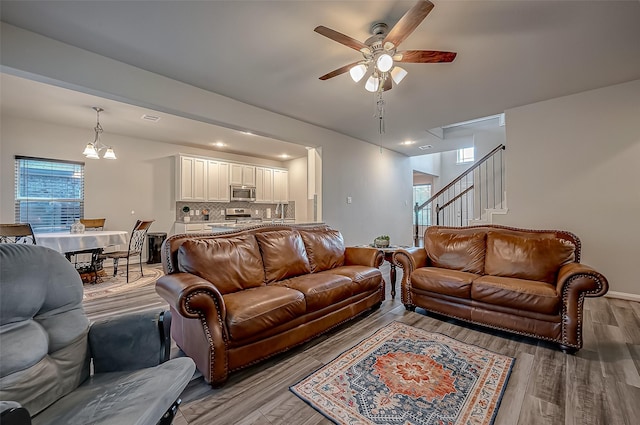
{"x": 472, "y": 198}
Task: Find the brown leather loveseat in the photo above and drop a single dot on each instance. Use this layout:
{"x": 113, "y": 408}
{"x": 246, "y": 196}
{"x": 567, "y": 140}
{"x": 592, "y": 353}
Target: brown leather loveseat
{"x": 529, "y": 282}
{"x": 240, "y": 297}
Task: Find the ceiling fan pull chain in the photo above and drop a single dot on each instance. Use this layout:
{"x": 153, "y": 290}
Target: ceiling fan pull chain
{"x": 380, "y": 110}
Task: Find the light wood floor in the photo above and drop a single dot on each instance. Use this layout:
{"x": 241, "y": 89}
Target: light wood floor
{"x": 598, "y": 385}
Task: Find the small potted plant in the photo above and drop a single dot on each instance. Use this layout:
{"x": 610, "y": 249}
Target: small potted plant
{"x": 381, "y": 241}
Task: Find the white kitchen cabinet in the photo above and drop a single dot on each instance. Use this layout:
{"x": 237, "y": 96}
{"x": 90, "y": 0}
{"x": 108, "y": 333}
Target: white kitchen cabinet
{"x": 264, "y": 185}
{"x": 217, "y": 181}
{"x": 280, "y": 186}
{"x": 192, "y": 175}
{"x": 242, "y": 174}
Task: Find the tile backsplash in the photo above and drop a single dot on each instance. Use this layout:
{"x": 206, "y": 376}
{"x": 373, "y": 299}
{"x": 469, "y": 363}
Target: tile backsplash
{"x": 216, "y": 210}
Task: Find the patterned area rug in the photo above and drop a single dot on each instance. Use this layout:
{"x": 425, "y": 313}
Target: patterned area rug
{"x": 404, "y": 375}
{"x": 109, "y": 285}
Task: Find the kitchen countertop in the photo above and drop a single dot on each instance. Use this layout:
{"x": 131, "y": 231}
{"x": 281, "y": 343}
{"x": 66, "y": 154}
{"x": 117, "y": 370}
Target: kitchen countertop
{"x": 233, "y": 225}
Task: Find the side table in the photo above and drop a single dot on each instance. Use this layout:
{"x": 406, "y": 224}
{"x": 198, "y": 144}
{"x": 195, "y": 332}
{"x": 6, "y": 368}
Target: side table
{"x": 388, "y": 257}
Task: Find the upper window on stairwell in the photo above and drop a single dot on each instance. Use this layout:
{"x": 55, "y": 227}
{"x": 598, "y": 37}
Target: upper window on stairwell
{"x": 465, "y": 155}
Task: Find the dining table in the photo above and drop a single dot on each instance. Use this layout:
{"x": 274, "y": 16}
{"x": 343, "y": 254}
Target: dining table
{"x": 90, "y": 242}
{"x": 67, "y": 242}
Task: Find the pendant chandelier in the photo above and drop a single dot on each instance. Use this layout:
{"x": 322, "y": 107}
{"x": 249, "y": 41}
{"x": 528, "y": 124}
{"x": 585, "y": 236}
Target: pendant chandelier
{"x": 95, "y": 148}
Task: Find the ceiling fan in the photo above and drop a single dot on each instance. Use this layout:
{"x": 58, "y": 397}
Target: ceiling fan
{"x": 381, "y": 53}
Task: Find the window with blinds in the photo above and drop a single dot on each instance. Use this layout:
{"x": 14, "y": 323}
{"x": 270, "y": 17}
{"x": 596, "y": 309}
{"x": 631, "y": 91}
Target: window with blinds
{"x": 49, "y": 193}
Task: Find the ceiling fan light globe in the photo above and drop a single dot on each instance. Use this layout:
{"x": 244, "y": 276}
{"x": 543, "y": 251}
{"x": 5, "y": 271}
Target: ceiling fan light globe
{"x": 372, "y": 84}
{"x": 398, "y": 74}
{"x": 384, "y": 62}
{"x": 109, "y": 154}
{"x": 357, "y": 72}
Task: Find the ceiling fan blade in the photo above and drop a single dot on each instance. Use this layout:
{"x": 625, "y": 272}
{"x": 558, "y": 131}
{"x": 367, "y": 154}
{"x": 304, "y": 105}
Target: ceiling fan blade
{"x": 424, "y": 56}
{"x": 342, "y": 39}
{"x": 408, "y": 23}
{"x": 338, "y": 71}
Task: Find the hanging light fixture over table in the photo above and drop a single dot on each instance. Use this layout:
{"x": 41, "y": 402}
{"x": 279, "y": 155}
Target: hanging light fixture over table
{"x": 95, "y": 148}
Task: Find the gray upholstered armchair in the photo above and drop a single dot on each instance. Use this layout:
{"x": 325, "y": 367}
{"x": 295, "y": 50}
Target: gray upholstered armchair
{"x": 47, "y": 345}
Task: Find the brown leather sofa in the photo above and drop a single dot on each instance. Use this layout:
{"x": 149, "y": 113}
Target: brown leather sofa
{"x": 240, "y": 297}
{"x": 529, "y": 282}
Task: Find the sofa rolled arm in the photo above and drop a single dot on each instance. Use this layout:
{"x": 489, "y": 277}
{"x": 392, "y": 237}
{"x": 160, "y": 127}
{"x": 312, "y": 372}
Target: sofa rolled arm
{"x": 408, "y": 260}
{"x": 131, "y": 341}
{"x": 363, "y": 256}
{"x": 189, "y": 295}
{"x": 577, "y": 278}
{"x": 575, "y": 281}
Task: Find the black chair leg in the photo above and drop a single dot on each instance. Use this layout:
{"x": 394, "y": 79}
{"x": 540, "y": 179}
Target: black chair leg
{"x": 115, "y": 267}
{"x": 127, "y": 270}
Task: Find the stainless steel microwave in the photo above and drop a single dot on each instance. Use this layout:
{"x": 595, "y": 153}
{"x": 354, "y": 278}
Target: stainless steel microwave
{"x": 243, "y": 193}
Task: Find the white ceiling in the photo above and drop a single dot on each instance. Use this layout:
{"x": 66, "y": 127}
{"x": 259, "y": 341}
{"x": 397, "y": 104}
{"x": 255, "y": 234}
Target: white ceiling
{"x": 42, "y": 102}
{"x": 265, "y": 53}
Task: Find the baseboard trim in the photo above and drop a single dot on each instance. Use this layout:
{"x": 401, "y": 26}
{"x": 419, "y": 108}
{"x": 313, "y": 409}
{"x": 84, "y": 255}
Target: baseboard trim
{"x": 623, "y": 296}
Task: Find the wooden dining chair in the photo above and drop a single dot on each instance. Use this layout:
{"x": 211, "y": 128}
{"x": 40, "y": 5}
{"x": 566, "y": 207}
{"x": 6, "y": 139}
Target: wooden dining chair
{"x": 135, "y": 247}
{"x": 93, "y": 223}
{"x": 17, "y": 233}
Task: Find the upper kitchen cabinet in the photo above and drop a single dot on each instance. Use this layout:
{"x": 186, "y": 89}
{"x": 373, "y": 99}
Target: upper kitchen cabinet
{"x": 264, "y": 185}
{"x": 242, "y": 174}
{"x": 280, "y": 186}
{"x": 217, "y": 181}
{"x": 192, "y": 176}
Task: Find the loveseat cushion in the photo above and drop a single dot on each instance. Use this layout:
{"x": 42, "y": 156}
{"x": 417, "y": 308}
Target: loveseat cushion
{"x": 443, "y": 281}
{"x": 231, "y": 264}
{"x": 320, "y": 290}
{"x": 283, "y": 254}
{"x": 530, "y": 256}
{"x": 519, "y": 294}
{"x": 363, "y": 278}
{"x": 456, "y": 249}
{"x": 255, "y": 310}
{"x": 325, "y": 248}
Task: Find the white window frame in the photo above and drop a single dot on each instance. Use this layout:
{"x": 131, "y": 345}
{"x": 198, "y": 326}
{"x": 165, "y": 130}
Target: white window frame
{"x": 465, "y": 155}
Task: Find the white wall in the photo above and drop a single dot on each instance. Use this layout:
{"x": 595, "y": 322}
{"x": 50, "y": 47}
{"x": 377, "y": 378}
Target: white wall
{"x": 379, "y": 182}
{"x": 572, "y": 163}
{"x": 298, "y": 186}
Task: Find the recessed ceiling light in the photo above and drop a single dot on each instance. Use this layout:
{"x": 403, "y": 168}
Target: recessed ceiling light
{"x": 248, "y": 133}
{"x": 284, "y": 156}
{"x": 425, "y": 147}
{"x": 218, "y": 144}
{"x": 407, "y": 142}
{"x": 151, "y": 118}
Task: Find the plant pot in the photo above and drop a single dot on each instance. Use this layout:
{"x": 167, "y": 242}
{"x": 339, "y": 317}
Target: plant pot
{"x": 381, "y": 243}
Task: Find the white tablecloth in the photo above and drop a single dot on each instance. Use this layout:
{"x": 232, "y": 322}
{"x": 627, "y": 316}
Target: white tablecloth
{"x": 71, "y": 242}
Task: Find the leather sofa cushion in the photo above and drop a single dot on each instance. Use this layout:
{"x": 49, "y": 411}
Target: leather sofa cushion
{"x": 231, "y": 264}
{"x": 443, "y": 281}
{"x": 283, "y": 254}
{"x": 325, "y": 248}
{"x": 363, "y": 278}
{"x": 456, "y": 249}
{"x": 531, "y": 256}
{"x": 320, "y": 290}
{"x": 520, "y": 294}
{"x": 255, "y": 310}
